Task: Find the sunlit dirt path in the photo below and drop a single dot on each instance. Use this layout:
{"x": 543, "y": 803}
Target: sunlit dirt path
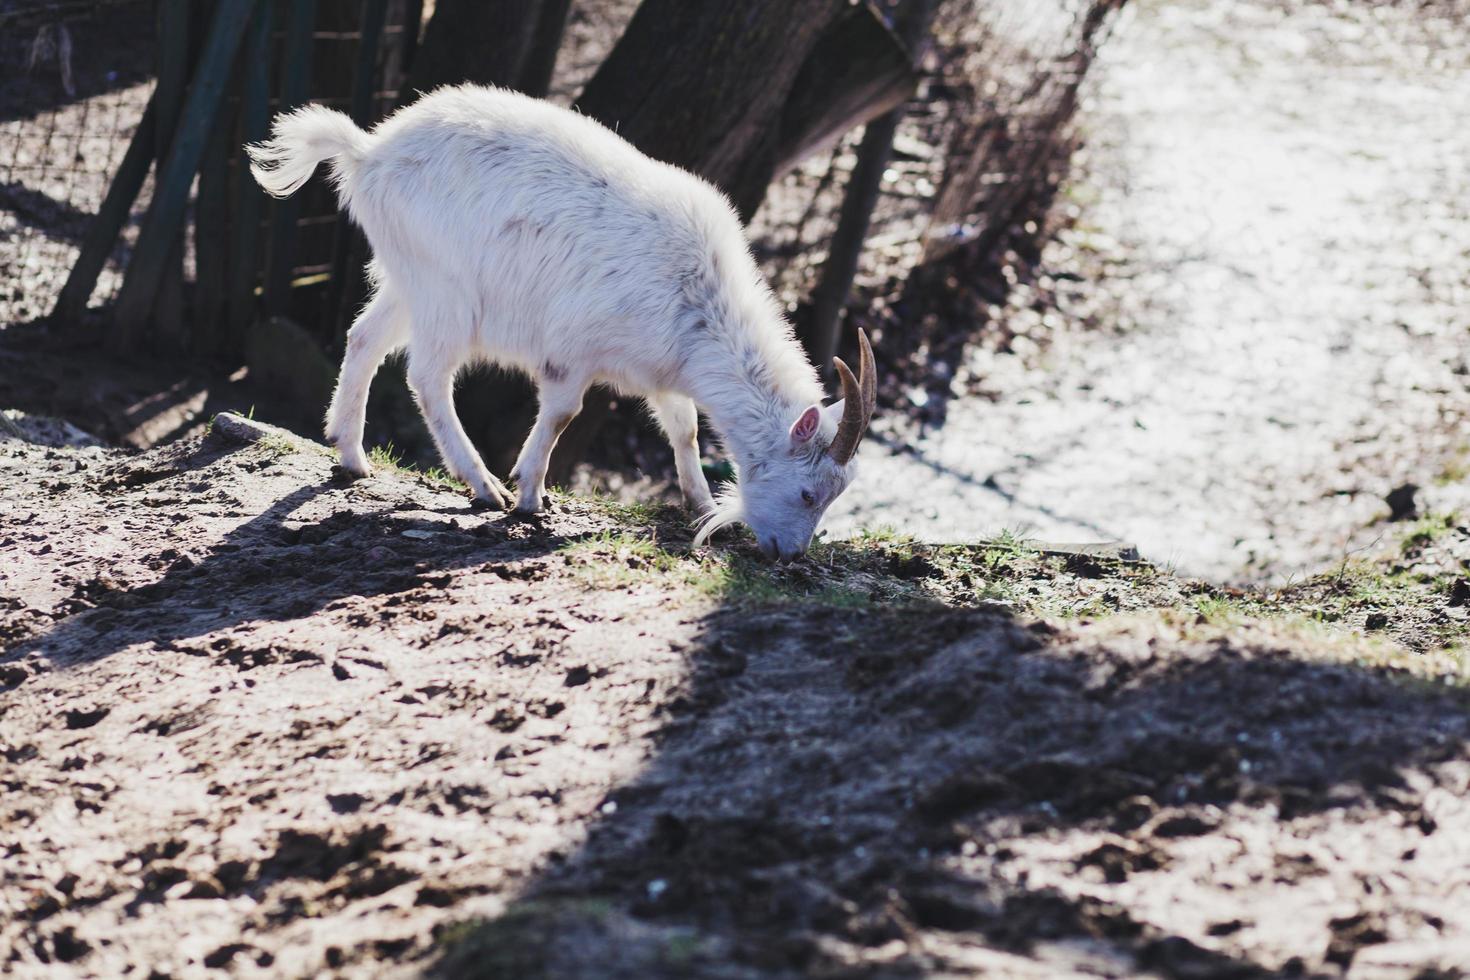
{"x": 1279, "y": 193}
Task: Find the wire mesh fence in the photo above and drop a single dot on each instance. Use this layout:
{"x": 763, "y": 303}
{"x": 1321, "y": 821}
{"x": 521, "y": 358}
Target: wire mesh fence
{"x": 984, "y": 144}
{"x": 987, "y": 135}
{"x": 966, "y": 196}
{"x": 74, "y": 81}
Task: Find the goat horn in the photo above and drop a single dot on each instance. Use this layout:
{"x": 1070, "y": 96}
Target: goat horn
{"x": 859, "y": 400}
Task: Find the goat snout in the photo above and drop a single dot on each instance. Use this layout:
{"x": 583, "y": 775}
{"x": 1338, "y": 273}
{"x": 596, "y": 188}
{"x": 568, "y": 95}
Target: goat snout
{"x": 773, "y": 550}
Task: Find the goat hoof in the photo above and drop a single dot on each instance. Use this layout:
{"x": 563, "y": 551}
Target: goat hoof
{"x": 488, "y": 503}
{"x": 351, "y": 460}
{"x": 492, "y": 496}
{"x": 348, "y": 473}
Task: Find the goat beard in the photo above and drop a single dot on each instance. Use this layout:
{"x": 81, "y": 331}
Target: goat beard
{"x": 727, "y": 511}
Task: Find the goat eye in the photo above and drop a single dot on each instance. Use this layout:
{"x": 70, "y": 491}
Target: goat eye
{"x": 808, "y": 498}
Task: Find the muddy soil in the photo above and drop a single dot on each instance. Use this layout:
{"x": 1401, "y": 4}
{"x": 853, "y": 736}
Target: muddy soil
{"x": 1253, "y": 325}
{"x": 257, "y": 720}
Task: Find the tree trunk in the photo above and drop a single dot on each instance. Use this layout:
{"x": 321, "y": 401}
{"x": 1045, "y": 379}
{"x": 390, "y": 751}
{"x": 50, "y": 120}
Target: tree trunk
{"x": 859, "y": 69}
{"x": 702, "y": 84}
{"x": 511, "y": 43}
{"x": 493, "y": 42}
{"x": 829, "y": 299}
{"x": 1011, "y": 122}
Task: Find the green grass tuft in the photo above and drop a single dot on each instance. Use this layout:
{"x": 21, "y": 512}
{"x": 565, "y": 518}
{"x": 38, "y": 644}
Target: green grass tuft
{"x": 388, "y": 457}
{"x": 1425, "y": 531}
{"x": 1402, "y": 599}
{"x": 278, "y": 445}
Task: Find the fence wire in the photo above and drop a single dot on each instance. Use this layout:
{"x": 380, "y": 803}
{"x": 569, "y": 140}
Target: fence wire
{"x": 74, "y": 80}
{"x": 985, "y": 141}
{"x": 986, "y": 134}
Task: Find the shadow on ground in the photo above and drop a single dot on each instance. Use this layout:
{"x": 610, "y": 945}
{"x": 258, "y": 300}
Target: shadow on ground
{"x": 313, "y": 726}
{"x": 911, "y": 791}
{"x": 111, "y": 49}
{"x": 273, "y": 567}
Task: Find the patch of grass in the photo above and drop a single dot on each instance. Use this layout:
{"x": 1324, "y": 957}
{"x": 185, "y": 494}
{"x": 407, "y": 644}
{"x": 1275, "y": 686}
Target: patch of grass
{"x": 1001, "y": 561}
{"x": 624, "y": 559}
{"x": 1456, "y": 469}
{"x": 883, "y": 536}
{"x": 390, "y": 458}
{"x": 880, "y": 566}
{"x": 643, "y": 513}
{"x": 1399, "y": 600}
{"x": 436, "y": 474}
{"x": 1219, "y": 609}
{"x": 278, "y": 445}
{"x": 738, "y": 578}
{"x": 387, "y": 457}
{"x": 1010, "y": 539}
{"x": 1291, "y": 633}
{"x": 1425, "y": 531}
{"x": 1007, "y": 554}
{"x": 1376, "y": 597}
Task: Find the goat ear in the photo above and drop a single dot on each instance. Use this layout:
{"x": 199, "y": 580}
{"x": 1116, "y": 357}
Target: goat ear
{"x": 806, "y": 425}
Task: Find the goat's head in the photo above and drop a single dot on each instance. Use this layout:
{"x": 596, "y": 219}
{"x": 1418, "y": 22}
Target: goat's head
{"x": 783, "y": 498}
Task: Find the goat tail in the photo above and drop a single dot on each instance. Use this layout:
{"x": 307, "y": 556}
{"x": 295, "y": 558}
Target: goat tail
{"x": 300, "y": 140}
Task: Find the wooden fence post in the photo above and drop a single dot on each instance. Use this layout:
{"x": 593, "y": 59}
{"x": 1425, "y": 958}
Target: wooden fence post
{"x": 295, "y": 79}
{"x": 819, "y": 334}
{"x": 374, "y": 16}
{"x": 168, "y": 95}
{"x": 171, "y": 193}
{"x": 211, "y": 229}
{"x": 255, "y": 116}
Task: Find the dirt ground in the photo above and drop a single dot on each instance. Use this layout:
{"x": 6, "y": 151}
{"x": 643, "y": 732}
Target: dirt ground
{"x": 260, "y": 720}
{"x": 1251, "y": 326}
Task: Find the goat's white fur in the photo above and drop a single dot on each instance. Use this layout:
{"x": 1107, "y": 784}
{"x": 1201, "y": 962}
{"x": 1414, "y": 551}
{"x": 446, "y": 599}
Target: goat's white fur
{"x": 506, "y": 229}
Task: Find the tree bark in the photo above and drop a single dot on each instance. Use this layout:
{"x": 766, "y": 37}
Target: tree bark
{"x": 493, "y": 42}
{"x": 829, "y": 299}
{"x": 1012, "y": 123}
{"x": 858, "y": 70}
{"x": 510, "y": 43}
{"x": 702, "y": 84}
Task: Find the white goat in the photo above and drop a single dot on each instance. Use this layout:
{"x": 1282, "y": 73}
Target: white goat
{"x": 506, "y": 229}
